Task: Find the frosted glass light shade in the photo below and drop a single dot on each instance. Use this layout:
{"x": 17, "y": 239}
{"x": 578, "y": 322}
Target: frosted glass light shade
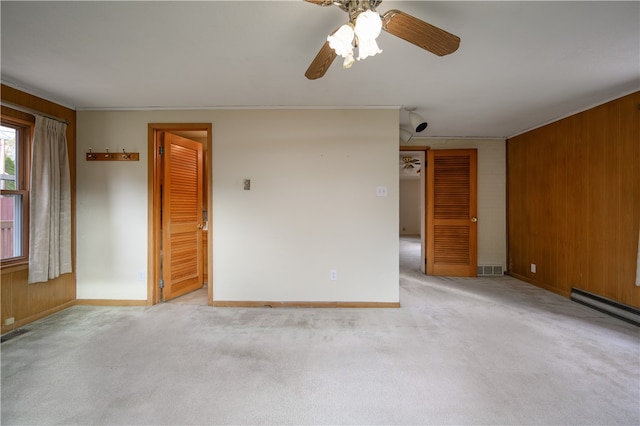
{"x": 368, "y": 27}
{"x": 367, "y": 48}
{"x": 342, "y": 41}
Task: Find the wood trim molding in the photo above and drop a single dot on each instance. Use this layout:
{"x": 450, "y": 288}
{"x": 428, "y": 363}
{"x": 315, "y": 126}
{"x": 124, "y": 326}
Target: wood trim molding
{"x": 414, "y": 148}
{"x": 271, "y": 304}
{"x": 111, "y": 302}
{"x": 153, "y": 201}
{"x": 15, "y": 268}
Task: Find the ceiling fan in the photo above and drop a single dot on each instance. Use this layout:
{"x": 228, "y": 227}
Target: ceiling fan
{"x": 364, "y": 26}
{"x": 409, "y": 163}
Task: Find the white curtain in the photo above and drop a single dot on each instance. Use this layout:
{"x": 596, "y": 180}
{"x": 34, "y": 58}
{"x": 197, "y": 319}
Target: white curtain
{"x": 49, "y": 202}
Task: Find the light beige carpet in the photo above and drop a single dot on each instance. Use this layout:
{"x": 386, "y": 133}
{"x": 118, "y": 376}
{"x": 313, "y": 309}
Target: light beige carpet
{"x": 458, "y": 351}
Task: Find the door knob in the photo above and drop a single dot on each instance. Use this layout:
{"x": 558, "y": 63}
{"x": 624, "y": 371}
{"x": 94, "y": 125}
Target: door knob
{"x": 474, "y": 219}
{"x": 199, "y": 226}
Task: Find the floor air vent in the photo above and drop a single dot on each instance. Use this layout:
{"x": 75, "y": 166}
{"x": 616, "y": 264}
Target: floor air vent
{"x": 490, "y": 271}
{"x": 608, "y": 306}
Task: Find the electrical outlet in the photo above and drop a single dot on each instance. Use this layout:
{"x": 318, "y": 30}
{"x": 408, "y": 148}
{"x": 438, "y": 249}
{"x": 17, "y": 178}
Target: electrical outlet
{"x": 140, "y": 275}
{"x": 9, "y": 321}
{"x": 333, "y": 275}
{"x": 533, "y": 268}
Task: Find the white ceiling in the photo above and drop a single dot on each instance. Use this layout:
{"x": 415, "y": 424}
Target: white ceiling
{"x": 519, "y": 65}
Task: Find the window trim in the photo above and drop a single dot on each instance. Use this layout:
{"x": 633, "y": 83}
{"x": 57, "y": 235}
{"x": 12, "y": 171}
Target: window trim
{"x": 25, "y": 124}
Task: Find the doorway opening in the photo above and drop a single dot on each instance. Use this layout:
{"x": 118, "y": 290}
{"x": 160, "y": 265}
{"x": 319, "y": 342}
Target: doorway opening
{"x": 448, "y": 208}
{"x": 413, "y": 203}
{"x": 180, "y": 211}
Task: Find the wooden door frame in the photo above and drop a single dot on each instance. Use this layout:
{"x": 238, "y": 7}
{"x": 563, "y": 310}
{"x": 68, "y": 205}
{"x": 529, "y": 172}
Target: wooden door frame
{"x": 153, "y": 208}
{"x": 423, "y": 203}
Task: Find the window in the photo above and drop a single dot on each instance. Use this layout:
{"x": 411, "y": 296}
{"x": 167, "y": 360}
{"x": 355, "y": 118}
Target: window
{"x": 15, "y": 137}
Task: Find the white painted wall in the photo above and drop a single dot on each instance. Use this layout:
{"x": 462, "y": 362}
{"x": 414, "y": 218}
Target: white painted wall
{"x": 410, "y": 211}
{"x": 312, "y": 205}
{"x": 492, "y": 193}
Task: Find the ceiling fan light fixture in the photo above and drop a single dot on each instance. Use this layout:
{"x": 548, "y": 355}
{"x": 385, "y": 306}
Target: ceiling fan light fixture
{"x": 367, "y": 48}
{"x": 342, "y": 41}
{"x": 367, "y": 29}
{"x": 417, "y": 122}
{"x": 368, "y": 25}
{"x": 348, "y": 61}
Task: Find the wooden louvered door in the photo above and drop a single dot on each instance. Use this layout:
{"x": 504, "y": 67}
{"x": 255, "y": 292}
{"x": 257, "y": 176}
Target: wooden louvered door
{"x": 182, "y": 263}
{"x": 452, "y": 228}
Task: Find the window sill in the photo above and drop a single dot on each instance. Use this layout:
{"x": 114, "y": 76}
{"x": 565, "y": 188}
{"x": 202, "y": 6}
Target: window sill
{"x": 14, "y": 267}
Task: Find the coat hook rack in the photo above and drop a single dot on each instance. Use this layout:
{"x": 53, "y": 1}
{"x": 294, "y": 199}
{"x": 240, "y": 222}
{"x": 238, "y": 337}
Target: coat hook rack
{"x": 109, "y": 156}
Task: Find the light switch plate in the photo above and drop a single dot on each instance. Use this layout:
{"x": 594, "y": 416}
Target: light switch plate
{"x": 381, "y": 191}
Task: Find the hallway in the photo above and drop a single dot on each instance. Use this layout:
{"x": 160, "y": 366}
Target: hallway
{"x": 458, "y": 351}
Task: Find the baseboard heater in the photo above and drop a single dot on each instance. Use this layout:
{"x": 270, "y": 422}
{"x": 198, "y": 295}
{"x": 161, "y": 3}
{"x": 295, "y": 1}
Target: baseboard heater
{"x": 615, "y": 309}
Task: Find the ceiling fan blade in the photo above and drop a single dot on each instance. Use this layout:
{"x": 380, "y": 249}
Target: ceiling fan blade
{"x": 321, "y": 62}
{"x": 420, "y": 33}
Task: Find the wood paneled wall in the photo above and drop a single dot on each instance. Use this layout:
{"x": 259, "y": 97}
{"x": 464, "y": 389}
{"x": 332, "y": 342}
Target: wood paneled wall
{"x": 27, "y": 303}
{"x": 574, "y": 202}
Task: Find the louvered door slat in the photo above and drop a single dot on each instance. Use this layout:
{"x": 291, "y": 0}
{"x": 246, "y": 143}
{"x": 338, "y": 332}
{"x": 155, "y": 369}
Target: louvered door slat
{"x": 451, "y": 204}
{"x": 182, "y": 209}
